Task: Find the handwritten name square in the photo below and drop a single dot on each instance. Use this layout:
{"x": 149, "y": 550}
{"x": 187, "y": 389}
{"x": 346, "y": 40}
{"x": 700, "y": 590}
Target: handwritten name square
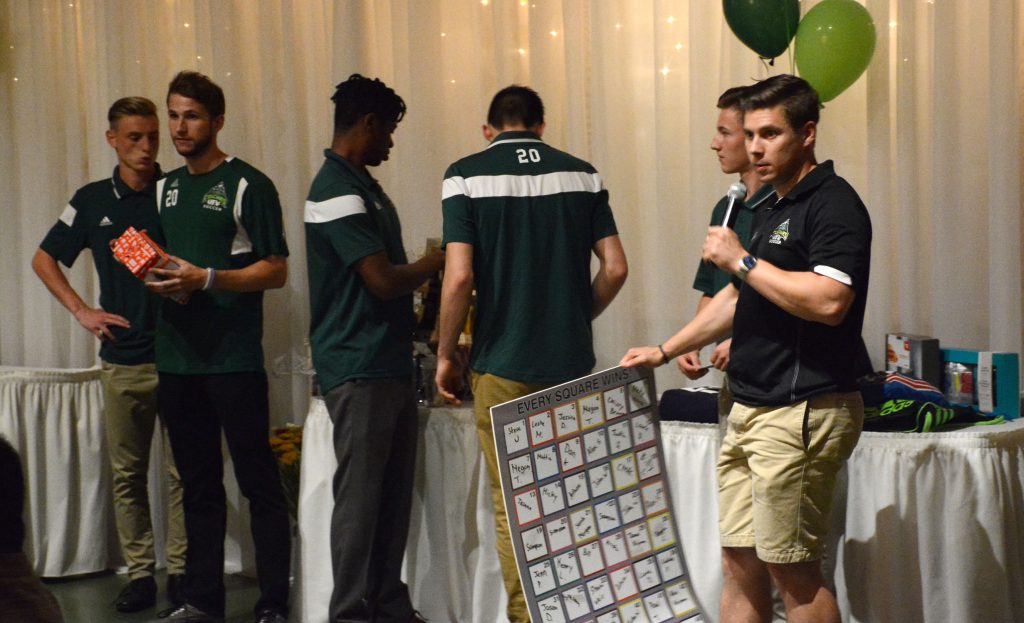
{"x": 638, "y": 540}
{"x": 534, "y": 544}
{"x": 541, "y": 428}
{"x": 520, "y": 471}
{"x": 516, "y": 437}
{"x": 559, "y": 535}
{"x": 546, "y": 460}
{"x": 624, "y": 471}
{"x": 630, "y": 506}
{"x": 571, "y": 454}
{"x": 552, "y": 499}
{"x": 658, "y": 610}
{"x": 567, "y": 568}
{"x": 633, "y": 612}
{"x": 600, "y": 591}
{"x": 590, "y": 411}
{"x": 623, "y": 583}
{"x": 607, "y": 516}
{"x": 583, "y": 526}
{"x": 646, "y": 571}
{"x": 649, "y": 462}
{"x": 643, "y": 429}
{"x": 615, "y": 403}
{"x": 600, "y": 477}
{"x": 576, "y": 489}
{"x": 566, "y": 420}
{"x": 639, "y": 395}
{"x": 591, "y": 560}
{"x": 542, "y": 577}
{"x": 619, "y": 438}
{"x": 575, "y": 601}
{"x": 596, "y": 445}
{"x": 527, "y": 507}
{"x": 681, "y": 599}
{"x": 614, "y": 548}
{"x": 655, "y": 500}
{"x": 610, "y": 617}
{"x": 670, "y": 564}
{"x": 662, "y": 534}
{"x": 551, "y": 610}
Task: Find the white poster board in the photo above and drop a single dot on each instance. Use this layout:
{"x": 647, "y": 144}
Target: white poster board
{"x": 588, "y": 502}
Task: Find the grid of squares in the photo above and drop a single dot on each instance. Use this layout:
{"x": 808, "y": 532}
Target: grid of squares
{"x": 591, "y": 511}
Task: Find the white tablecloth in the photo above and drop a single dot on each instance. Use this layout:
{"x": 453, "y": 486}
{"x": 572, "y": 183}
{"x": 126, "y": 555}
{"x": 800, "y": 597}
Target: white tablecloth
{"x": 54, "y": 418}
{"x": 931, "y": 530}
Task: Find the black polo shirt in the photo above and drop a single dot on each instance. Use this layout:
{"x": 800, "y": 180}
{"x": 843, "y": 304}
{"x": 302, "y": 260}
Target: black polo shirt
{"x": 777, "y": 358}
{"x": 98, "y": 213}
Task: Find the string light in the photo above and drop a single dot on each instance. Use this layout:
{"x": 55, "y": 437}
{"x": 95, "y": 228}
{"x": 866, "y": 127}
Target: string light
{"x": 554, "y": 33}
{"x": 444, "y": 34}
{"x": 522, "y": 52}
{"x": 187, "y": 25}
{"x": 670, "y": 19}
{"x": 892, "y": 24}
{"x": 679, "y": 46}
{"x": 618, "y": 26}
{"x": 664, "y": 70}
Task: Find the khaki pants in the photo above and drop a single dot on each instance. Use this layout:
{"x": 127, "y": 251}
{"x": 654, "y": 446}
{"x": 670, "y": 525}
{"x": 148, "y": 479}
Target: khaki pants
{"x": 129, "y": 399}
{"x": 490, "y": 390}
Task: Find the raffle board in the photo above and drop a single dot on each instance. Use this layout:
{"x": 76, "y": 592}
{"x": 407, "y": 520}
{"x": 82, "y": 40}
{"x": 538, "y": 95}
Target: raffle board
{"x": 588, "y": 502}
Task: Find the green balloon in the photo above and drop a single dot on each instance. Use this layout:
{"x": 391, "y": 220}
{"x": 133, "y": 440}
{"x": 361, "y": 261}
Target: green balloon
{"x": 764, "y": 26}
{"x": 834, "y": 44}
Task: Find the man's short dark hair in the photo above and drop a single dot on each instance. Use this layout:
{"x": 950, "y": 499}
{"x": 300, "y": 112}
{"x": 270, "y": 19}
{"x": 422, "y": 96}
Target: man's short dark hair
{"x": 798, "y": 99}
{"x": 732, "y": 98}
{"x": 199, "y": 87}
{"x": 360, "y": 96}
{"x": 515, "y": 105}
{"x": 12, "y": 500}
{"x": 130, "y": 107}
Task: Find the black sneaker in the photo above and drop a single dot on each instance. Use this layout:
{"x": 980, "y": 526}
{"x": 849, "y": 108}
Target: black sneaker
{"x": 186, "y": 613}
{"x": 176, "y": 589}
{"x": 269, "y": 615}
{"x": 139, "y": 594}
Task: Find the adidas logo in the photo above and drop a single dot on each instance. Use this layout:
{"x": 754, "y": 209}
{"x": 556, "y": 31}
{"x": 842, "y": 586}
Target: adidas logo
{"x": 174, "y": 183}
{"x": 105, "y": 222}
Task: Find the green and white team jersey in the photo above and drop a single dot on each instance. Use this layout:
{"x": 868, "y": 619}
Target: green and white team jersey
{"x": 532, "y": 214}
{"x": 353, "y": 334}
{"x": 97, "y": 214}
{"x": 226, "y": 219}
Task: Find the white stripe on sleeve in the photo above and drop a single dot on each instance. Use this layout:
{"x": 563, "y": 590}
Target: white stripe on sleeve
{"x": 832, "y": 273}
{"x": 68, "y": 215}
{"x": 334, "y": 208}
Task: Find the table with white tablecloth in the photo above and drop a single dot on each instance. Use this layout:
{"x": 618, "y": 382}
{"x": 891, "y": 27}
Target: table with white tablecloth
{"x": 54, "y": 418}
{"x": 927, "y": 527}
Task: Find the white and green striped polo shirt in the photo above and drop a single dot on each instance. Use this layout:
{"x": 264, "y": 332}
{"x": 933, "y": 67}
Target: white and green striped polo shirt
{"x": 533, "y": 214}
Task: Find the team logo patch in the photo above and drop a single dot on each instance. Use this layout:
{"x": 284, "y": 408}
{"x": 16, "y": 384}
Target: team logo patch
{"x": 105, "y": 222}
{"x": 216, "y": 198}
{"x": 780, "y": 234}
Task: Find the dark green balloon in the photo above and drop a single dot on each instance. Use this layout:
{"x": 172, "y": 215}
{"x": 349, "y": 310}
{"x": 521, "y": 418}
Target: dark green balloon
{"x": 764, "y": 26}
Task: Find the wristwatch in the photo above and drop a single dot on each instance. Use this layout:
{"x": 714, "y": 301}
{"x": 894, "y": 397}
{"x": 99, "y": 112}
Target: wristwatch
{"x": 746, "y": 265}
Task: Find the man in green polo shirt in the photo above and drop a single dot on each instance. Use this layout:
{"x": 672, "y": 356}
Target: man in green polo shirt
{"x": 729, "y": 145}
{"x": 124, "y": 323}
{"x": 222, "y": 221}
{"x": 361, "y": 326}
{"x": 521, "y": 222}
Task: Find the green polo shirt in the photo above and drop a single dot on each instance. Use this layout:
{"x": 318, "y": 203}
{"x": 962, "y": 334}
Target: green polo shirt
{"x": 532, "y": 214}
{"x": 353, "y": 334}
{"x": 98, "y": 213}
{"x": 709, "y": 278}
{"x": 226, "y": 219}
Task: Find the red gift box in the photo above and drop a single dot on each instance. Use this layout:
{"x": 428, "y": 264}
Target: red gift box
{"x": 139, "y": 254}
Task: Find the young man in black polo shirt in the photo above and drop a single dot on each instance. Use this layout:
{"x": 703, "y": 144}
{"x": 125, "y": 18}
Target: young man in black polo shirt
{"x": 124, "y": 323}
{"x": 799, "y": 298}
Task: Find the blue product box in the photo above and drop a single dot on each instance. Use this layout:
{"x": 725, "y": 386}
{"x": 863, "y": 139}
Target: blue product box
{"x": 990, "y": 383}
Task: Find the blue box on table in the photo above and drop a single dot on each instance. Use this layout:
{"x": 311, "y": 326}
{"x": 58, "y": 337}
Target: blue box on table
{"x": 994, "y": 378}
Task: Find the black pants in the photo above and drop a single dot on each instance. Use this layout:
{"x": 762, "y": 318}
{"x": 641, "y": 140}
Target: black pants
{"x": 375, "y": 437}
{"x": 196, "y": 408}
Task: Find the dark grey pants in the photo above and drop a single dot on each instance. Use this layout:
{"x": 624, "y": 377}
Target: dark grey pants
{"x": 375, "y": 438}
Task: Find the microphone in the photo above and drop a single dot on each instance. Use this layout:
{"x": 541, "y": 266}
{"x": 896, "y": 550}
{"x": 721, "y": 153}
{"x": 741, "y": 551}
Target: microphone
{"x": 737, "y": 191}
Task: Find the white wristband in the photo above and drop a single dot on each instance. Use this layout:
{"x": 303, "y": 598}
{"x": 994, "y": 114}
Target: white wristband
{"x": 211, "y": 274}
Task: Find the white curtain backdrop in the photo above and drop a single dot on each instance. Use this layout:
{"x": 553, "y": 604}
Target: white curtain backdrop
{"x": 930, "y": 137}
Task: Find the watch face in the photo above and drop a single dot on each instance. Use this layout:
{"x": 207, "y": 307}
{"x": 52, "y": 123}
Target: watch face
{"x": 749, "y": 262}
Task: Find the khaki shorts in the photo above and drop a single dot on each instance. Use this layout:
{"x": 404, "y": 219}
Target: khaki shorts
{"x": 777, "y": 474}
